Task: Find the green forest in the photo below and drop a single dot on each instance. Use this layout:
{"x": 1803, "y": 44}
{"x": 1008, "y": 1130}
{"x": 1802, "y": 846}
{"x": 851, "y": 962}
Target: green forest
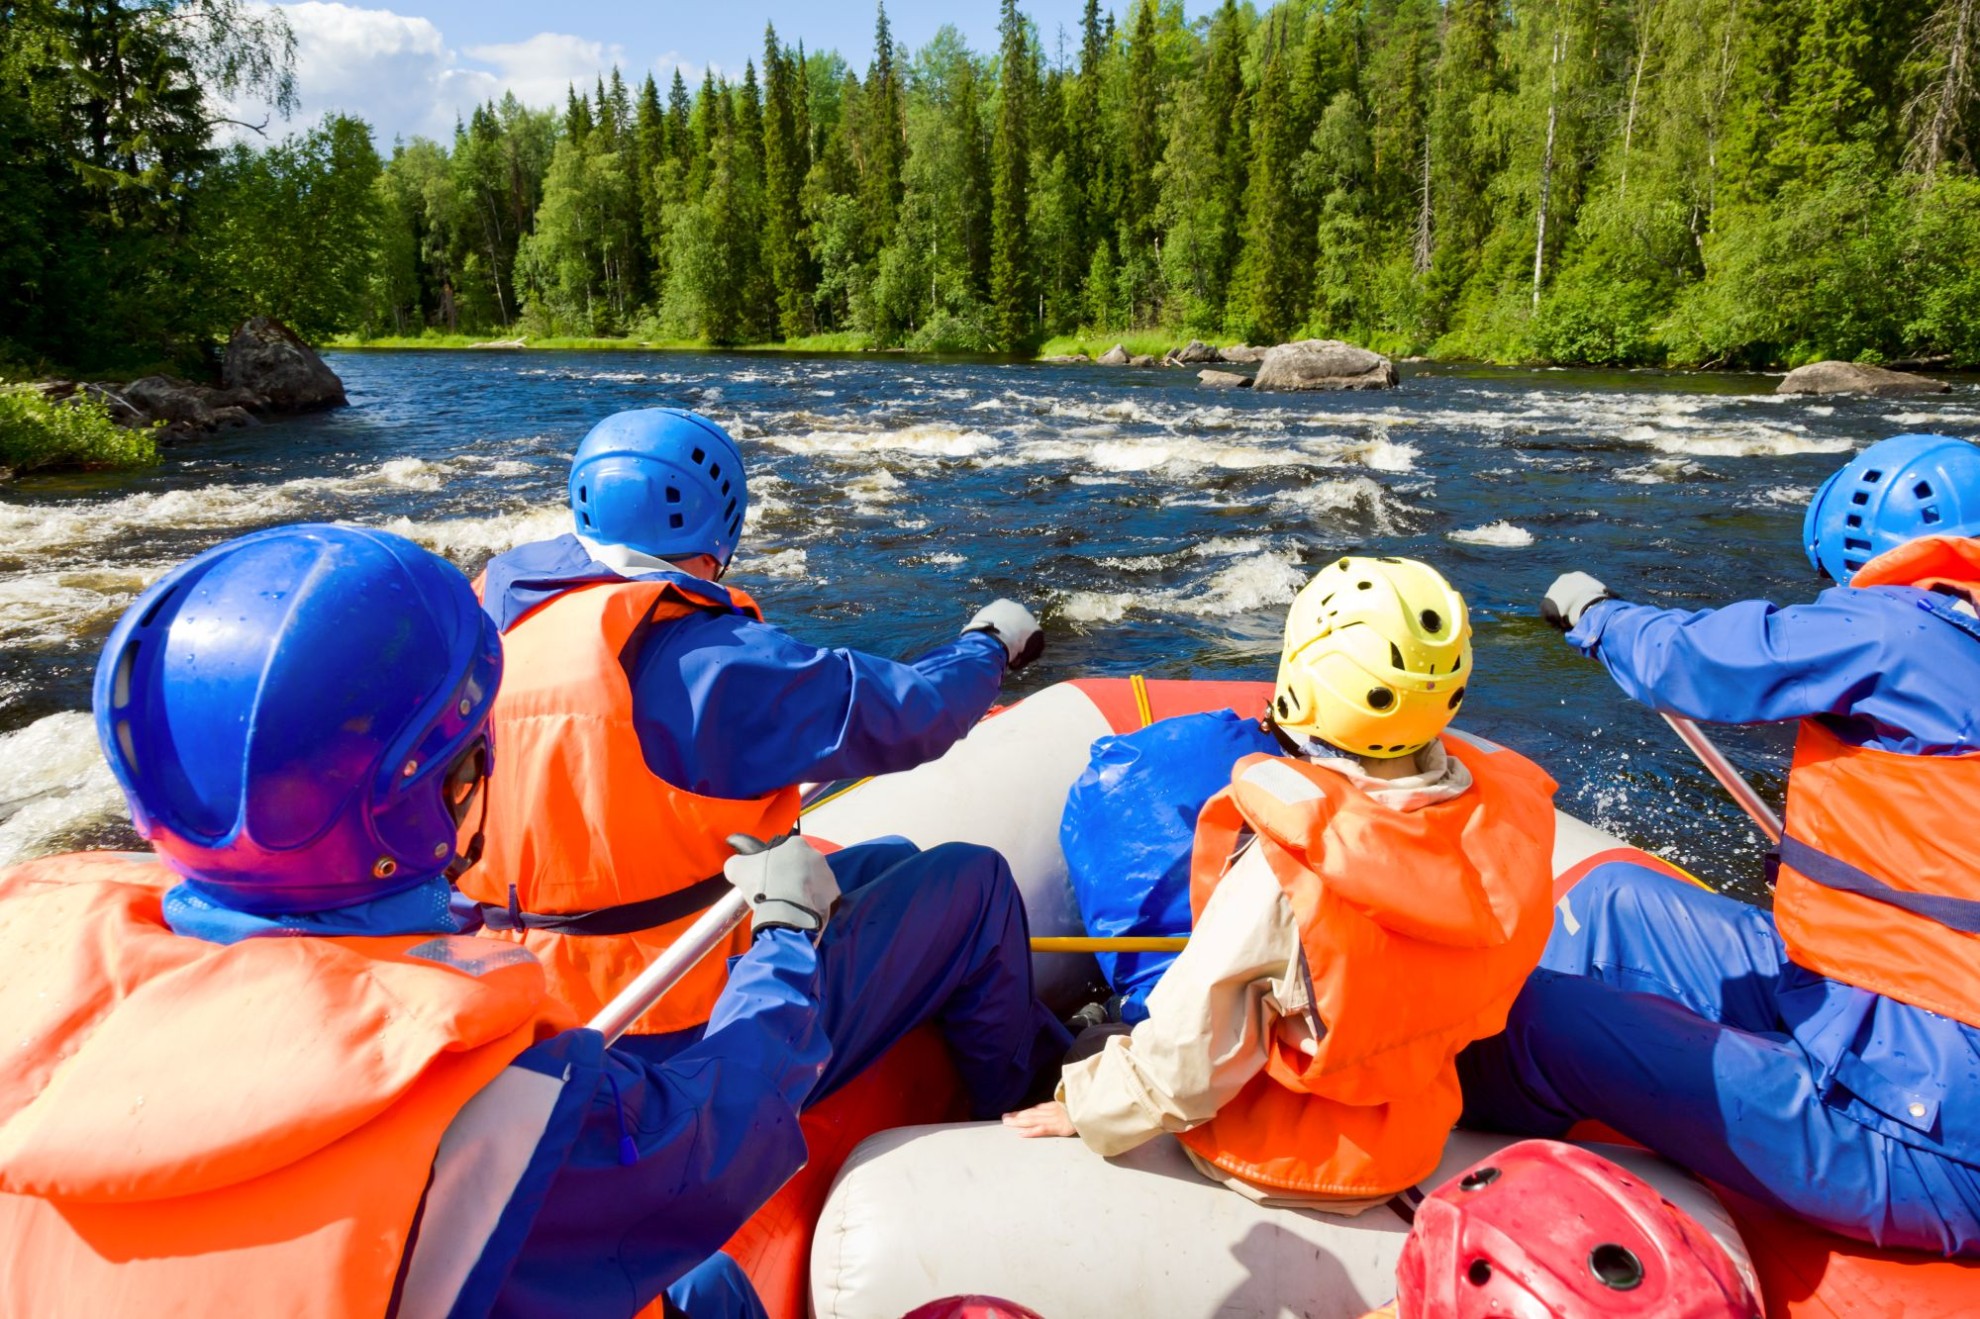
{"x": 1691, "y": 182}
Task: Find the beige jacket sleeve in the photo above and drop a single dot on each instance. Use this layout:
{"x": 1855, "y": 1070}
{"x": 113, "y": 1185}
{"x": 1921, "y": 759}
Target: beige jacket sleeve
{"x": 1210, "y": 1020}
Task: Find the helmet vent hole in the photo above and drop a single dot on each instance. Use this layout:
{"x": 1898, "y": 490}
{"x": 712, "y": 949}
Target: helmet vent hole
{"x": 1855, "y": 543}
{"x": 1364, "y": 586}
{"x": 1395, "y": 657}
{"x": 715, "y": 471}
{"x": 673, "y": 495}
{"x": 120, "y": 691}
{"x": 1923, "y": 490}
{"x": 675, "y": 521}
{"x": 1284, "y": 708}
{"x": 584, "y": 493}
{"x": 1853, "y": 520}
{"x": 1479, "y": 1273}
{"x": 1479, "y": 1178}
{"x": 156, "y": 605}
{"x": 1457, "y": 698}
{"x": 1873, "y": 477}
{"x": 1860, "y": 498}
{"x": 1930, "y": 515}
{"x": 1381, "y": 698}
{"x": 698, "y": 457}
{"x": 1433, "y": 622}
{"x": 1852, "y": 564}
{"x": 1457, "y": 663}
{"x": 735, "y": 525}
{"x": 730, "y": 511}
{"x": 1616, "y": 1267}
{"x": 124, "y": 744}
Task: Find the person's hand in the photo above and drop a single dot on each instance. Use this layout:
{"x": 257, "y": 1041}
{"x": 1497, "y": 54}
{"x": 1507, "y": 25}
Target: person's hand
{"x": 1014, "y": 625}
{"x": 786, "y": 881}
{"x": 1047, "y": 1119}
{"x": 1571, "y": 596}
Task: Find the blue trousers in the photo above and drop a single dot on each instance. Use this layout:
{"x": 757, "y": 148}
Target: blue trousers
{"x": 1656, "y": 1010}
{"x": 936, "y": 936}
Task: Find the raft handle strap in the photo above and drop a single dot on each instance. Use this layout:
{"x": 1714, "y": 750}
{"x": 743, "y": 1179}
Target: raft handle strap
{"x": 627, "y": 918}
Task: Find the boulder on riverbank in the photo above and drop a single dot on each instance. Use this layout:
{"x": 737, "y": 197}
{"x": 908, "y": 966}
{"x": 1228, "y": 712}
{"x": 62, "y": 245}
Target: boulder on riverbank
{"x": 1224, "y": 379}
{"x": 1323, "y": 364}
{"x": 269, "y": 359}
{"x": 1857, "y": 378}
{"x": 1192, "y": 353}
{"x": 1142, "y": 359}
{"x": 1241, "y": 353}
{"x": 1066, "y": 359}
{"x": 1115, "y": 356}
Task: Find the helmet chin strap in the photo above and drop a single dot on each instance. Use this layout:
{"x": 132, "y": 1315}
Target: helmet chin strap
{"x": 470, "y": 856}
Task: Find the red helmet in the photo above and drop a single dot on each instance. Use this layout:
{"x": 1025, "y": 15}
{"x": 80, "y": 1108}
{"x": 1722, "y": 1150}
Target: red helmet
{"x": 971, "y": 1307}
{"x": 1544, "y": 1230}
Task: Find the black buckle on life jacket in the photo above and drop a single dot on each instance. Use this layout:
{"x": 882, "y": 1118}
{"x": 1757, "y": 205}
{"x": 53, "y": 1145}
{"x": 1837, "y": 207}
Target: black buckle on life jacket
{"x": 626, "y": 918}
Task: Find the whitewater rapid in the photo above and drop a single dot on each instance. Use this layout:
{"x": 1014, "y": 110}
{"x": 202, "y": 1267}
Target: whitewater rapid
{"x": 1161, "y": 528}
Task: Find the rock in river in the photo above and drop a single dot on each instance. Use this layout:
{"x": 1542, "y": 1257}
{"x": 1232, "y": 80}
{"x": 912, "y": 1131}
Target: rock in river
{"x": 1115, "y": 356}
{"x": 1323, "y": 364}
{"x": 267, "y": 358}
{"x": 1857, "y": 378}
{"x": 1224, "y": 379}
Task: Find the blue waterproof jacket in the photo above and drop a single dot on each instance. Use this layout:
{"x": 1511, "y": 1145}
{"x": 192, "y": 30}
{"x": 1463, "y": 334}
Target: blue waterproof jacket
{"x": 1128, "y": 830}
{"x": 1890, "y": 667}
{"x": 725, "y": 706}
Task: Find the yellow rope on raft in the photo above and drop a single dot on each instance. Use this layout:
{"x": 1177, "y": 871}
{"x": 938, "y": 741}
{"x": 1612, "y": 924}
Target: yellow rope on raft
{"x": 1139, "y": 684}
{"x": 1125, "y": 943}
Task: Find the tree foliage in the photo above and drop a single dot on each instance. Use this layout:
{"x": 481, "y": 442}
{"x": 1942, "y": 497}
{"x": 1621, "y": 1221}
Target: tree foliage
{"x": 1754, "y": 182}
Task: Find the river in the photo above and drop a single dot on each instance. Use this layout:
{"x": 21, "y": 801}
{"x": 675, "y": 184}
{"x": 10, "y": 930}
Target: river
{"x": 1160, "y": 527}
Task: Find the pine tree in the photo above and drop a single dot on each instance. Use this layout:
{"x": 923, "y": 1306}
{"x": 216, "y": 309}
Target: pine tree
{"x": 1141, "y": 131}
{"x": 680, "y": 138}
{"x": 577, "y": 116}
{"x": 786, "y": 162}
{"x": 1012, "y": 318}
{"x": 1273, "y": 276}
{"x": 883, "y": 144}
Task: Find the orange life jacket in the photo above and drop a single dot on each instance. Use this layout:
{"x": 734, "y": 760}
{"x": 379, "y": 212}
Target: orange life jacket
{"x": 1418, "y": 928}
{"x": 581, "y": 835}
{"x": 188, "y": 1128}
{"x": 1879, "y": 884}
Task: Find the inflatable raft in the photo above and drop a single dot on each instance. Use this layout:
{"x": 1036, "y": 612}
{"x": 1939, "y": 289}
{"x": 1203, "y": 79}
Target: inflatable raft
{"x": 900, "y": 1204}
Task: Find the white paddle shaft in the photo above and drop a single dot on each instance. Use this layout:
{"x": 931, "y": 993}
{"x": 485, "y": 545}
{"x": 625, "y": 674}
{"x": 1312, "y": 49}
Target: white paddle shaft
{"x": 666, "y": 970}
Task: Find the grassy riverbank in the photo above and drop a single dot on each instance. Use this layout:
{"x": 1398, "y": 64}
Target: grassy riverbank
{"x": 36, "y": 433}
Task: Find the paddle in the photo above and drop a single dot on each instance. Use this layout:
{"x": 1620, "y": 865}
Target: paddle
{"x": 1727, "y": 774}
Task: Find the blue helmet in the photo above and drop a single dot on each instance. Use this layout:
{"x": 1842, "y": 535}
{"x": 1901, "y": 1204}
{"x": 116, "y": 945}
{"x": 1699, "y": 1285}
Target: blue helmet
{"x": 663, "y": 481}
{"x": 1894, "y": 491}
{"x": 298, "y": 717}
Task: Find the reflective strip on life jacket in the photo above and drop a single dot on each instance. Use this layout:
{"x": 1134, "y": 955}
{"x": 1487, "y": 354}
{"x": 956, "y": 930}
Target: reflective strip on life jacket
{"x": 1417, "y": 928}
{"x": 481, "y": 1161}
{"x": 593, "y": 862}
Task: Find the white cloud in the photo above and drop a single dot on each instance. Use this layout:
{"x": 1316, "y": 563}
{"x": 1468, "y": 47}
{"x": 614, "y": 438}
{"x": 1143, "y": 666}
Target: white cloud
{"x": 540, "y": 69}
{"x": 398, "y": 71}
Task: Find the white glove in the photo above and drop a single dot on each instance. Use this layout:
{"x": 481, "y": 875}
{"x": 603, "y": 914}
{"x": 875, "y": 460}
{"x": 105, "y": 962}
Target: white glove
{"x": 1571, "y": 596}
{"x": 1012, "y": 624}
{"x": 786, "y": 882}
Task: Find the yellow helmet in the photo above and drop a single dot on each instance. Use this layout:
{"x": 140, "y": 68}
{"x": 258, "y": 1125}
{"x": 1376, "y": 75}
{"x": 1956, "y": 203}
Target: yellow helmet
{"x": 1377, "y": 654}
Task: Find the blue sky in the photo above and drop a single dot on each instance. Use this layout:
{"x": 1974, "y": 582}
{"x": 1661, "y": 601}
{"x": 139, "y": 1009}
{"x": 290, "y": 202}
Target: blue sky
{"x": 412, "y": 68}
